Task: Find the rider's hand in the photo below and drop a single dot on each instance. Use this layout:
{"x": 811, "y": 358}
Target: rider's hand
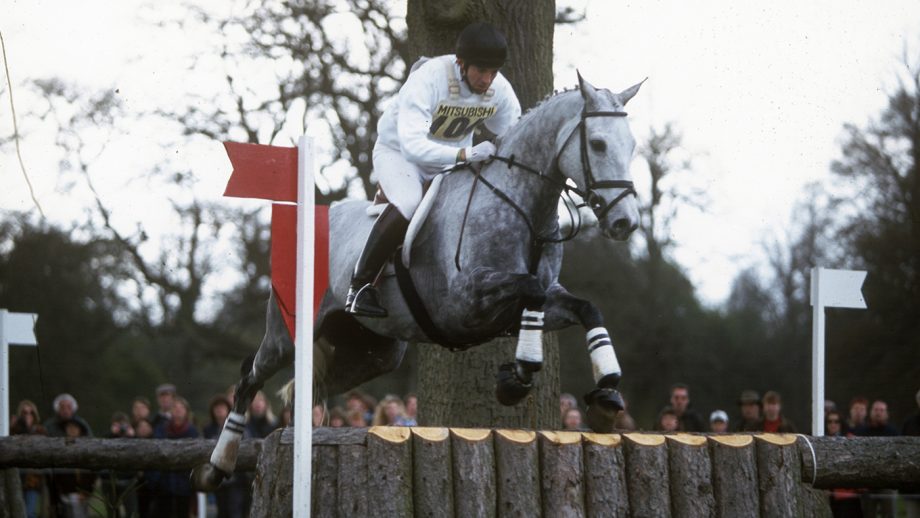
{"x": 480, "y": 152}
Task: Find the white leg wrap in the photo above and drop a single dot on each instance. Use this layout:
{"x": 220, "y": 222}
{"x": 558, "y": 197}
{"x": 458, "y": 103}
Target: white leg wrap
{"x": 603, "y": 357}
{"x": 530, "y": 338}
{"x": 228, "y": 444}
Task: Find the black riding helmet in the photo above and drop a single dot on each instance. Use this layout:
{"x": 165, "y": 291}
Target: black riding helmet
{"x": 482, "y": 45}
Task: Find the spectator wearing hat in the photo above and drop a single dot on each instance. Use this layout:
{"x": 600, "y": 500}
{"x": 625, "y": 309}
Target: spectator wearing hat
{"x": 718, "y": 421}
{"x": 166, "y": 398}
{"x": 773, "y": 420}
{"x": 749, "y": 404}
{"x": 72, "y": 489}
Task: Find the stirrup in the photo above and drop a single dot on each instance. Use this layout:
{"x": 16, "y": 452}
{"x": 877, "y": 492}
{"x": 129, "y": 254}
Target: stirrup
{"x": 364, "y": 302}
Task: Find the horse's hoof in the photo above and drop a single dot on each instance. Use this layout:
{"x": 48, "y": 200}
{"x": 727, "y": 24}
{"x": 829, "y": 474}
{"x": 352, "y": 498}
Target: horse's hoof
{"x": 510, "y": 389}
{"x": 603, "y": 406}
{"x": 207, "y": 478}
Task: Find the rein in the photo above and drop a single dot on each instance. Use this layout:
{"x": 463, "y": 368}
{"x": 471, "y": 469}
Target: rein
{"x": 590, "y": 197}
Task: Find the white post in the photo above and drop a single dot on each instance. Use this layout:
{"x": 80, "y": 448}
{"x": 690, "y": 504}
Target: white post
{"x": 303, "y": 330}
{"x": 15, "y": 329}
{"x": 817, "y": 357}
{"x": 202, "y": 504}
{"x": 829, "y": 289}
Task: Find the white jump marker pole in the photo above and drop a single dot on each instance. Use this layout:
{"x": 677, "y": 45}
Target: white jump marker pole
{"x": 829, "y": 289}
{"x": 15, "y": 329}
{"x": 303, "y": 329}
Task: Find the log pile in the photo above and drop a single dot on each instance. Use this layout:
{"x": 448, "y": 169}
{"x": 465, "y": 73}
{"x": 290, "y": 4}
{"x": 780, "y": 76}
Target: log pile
{"x": 479, "y": 472}
{"x": 466, "y": 472}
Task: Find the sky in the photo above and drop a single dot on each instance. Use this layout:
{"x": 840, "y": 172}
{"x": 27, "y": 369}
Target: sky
{"x": 759, "y": 91}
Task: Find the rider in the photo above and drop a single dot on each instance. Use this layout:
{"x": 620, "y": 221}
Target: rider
{"x": 427, "y": 128}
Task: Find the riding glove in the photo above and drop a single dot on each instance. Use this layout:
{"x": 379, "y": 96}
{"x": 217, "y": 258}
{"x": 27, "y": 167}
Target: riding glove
{"x": 480, "y": 152}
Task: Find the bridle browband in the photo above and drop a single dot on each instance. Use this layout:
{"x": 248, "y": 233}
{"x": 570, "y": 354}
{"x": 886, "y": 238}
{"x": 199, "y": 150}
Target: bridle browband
{"x": 590, "y": 197}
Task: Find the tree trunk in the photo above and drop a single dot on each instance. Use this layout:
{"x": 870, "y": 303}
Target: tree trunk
{"x": 458, "y": 389}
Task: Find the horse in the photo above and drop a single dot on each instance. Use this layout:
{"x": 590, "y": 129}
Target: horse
{"x": 487, "y": 259}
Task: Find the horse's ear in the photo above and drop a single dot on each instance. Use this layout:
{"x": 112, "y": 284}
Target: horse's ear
{"x": 588, "y": 92}
{"x": 628, "y": 94}
{"x": 582, "y": 84}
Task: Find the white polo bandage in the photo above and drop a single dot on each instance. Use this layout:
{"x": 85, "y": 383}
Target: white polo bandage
{"x": 530, "y": 338}
{"x": 228, "y": 444}
{"x": 603, "y": 357}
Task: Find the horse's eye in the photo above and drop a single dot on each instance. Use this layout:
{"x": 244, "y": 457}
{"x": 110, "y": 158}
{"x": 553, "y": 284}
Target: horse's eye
{"x": 598, "y": 145}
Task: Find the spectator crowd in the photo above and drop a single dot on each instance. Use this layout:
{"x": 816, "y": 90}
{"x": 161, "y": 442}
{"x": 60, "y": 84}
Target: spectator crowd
{"x": 71, "y": 492}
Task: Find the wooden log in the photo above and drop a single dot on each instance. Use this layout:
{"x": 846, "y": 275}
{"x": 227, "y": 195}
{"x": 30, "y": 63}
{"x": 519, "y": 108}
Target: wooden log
{"x": 605, "y": 477}
{"x": 647, "y": 474}
{"x": 779, "y": 475}
{"x": 33, "y": 451}
{"x": 690, "y": 472}
{"x": 432, "y": 477}
{"x": 517, "y": 469}
{"x": 871, "y": 462}
{"x": 272, "y": 488}
{"x": 734, "y": 475}
{"x": 562, "y": 474}
{"x": 473, "y": 472}
{"x": 324, "y": 490}
{"x": 352, "y": 480}
{"x": 389, "y": 470}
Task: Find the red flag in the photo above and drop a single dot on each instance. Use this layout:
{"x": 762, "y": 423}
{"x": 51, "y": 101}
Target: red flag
{"x": 284, "y": 258}
{"x": 266, "y": 172}
{"x": 270, "y": 172}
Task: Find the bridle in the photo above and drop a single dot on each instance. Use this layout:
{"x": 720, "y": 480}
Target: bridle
{"x": 589, "y": 194}
{"x": 593, "y": 199}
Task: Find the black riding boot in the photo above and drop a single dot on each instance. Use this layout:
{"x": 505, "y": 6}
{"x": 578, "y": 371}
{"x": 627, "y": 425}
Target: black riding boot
{"x": 386, "y": 235}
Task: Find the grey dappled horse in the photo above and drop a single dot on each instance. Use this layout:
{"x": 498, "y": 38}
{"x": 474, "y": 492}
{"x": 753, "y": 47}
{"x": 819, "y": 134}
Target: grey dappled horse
{"x": 482, "y": 257}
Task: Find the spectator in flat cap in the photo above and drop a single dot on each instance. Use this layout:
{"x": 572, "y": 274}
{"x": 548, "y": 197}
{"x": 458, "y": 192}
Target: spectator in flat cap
{"x": 749, "y": 403}
{"x": 718, "y": 421}
{"x": 166, "y": 398}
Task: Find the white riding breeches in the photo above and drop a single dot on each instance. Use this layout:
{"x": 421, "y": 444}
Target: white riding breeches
{"x": 401, "y": 179}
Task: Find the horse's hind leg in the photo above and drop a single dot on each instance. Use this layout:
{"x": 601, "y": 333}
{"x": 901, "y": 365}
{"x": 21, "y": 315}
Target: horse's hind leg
{"x": 275, "y": 352}
{"x": 562, "y": 308}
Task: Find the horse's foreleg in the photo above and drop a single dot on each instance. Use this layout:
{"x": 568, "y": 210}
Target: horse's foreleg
{"x": 516, "y": 379}
{"x": 563, "y": 308}
{"x": 275, "y": 352}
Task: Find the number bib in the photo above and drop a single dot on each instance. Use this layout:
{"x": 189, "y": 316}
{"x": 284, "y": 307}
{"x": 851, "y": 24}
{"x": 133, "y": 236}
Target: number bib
{"x": 454, "y": 122}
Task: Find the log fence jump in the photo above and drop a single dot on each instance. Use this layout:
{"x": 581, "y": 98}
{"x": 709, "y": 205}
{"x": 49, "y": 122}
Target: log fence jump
{"x": 400, "y": 471}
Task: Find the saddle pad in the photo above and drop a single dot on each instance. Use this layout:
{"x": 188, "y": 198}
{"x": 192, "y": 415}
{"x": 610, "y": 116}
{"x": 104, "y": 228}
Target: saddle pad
{"x": 417, "y": 219}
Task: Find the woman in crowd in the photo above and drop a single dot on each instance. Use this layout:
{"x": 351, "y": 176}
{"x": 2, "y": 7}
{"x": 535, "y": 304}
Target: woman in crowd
{"x": 28, "y": 422}
{"x": 171, "y": 489}
{"x": 391, "y": 412}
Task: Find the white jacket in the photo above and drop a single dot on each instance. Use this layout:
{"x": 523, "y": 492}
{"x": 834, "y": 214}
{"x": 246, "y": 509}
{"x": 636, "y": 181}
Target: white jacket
{"x": 435, "y": 113}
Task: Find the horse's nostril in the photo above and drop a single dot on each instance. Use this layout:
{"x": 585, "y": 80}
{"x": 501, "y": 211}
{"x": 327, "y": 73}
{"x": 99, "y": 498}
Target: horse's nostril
{"x": 622, "y": 225}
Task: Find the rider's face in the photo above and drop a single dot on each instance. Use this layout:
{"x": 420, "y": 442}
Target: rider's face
{"x": 478, "y": 78}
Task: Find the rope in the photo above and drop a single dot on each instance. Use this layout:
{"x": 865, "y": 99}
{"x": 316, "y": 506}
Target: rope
{"x": 22, "y": 166}
{"x": 814, "y": 459}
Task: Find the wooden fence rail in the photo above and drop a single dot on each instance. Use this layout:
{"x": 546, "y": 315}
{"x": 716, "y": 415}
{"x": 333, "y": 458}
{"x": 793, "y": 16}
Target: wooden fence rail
{"x": 478, "y": 472}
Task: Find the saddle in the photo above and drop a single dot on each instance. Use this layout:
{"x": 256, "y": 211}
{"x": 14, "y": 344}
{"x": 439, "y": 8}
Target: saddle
{"x": 430, "y": 189}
